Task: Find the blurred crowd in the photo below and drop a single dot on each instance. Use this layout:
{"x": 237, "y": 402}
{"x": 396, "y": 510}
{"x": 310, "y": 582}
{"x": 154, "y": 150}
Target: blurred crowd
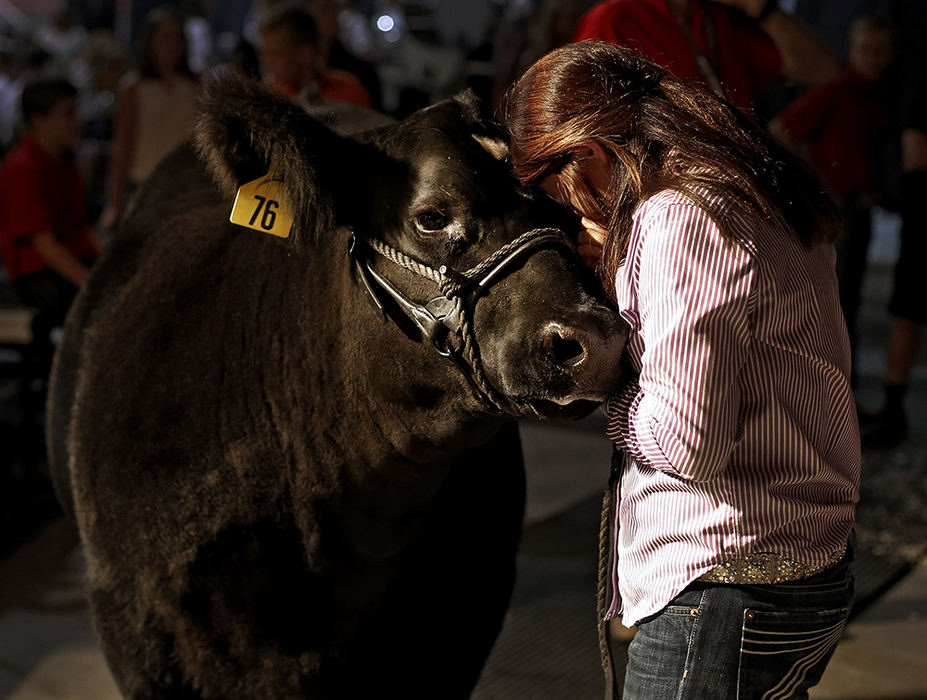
{"x": 97, "y": 103}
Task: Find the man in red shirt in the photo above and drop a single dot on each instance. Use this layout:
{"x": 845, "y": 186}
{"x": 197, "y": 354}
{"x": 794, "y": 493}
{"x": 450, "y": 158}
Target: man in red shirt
{"x": 844, "y": 124}
{"x": 739, "y": 47}
{"x": 45, "y": 235}
{"x": 290, "y": 55}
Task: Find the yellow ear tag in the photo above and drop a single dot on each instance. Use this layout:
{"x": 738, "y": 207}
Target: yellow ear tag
{"x": 263, "y": 205}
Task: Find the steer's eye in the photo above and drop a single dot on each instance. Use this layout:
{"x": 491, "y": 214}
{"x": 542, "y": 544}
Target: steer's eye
{"x": 431, "y": 220}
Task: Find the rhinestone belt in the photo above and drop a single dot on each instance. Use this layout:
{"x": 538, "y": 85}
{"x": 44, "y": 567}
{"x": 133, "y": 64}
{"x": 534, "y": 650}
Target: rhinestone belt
{"x": 763, "y": 568}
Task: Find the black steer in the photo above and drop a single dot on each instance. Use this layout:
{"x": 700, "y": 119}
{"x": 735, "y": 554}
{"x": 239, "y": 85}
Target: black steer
{"x": 283, "y": 490}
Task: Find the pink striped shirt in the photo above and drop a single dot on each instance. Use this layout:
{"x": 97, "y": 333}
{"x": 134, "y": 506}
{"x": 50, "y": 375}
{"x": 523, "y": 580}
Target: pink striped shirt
{"x": 740, "y": 432}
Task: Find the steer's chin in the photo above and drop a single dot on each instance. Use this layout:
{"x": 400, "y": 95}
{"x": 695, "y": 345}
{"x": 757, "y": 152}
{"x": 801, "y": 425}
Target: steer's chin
{"x": 565, "y": 407}
{"x": 563, "y": 397}
{"x": 587, "y": 397}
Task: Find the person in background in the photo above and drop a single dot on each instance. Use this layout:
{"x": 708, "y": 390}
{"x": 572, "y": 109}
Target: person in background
{"x": 44, "y": 231}
{"x": 844, "y": 125}
{"x": 289, "y": 51}
{"x": 739, "y": 48}
{"x": 738, "y": 468}
{"x": 334, "y": 54}
{"x": 154, "y": 110}
{"x": 889, "y": 427}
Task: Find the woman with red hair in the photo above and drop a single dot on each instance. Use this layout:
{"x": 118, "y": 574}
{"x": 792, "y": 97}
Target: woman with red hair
{"x": 737, "y": 469}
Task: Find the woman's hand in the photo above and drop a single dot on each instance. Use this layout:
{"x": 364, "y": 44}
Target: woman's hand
{"x": 591, "y": 241}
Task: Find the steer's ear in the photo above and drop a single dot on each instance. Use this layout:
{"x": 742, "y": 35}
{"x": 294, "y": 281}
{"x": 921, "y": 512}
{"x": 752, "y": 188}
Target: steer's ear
{"x": 487, "y": 132}
{"x": 243, "y": 131}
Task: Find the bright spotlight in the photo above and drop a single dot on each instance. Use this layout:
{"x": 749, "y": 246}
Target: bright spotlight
{"x": 385, "y": 23}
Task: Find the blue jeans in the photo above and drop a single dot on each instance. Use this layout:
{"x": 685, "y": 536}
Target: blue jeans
{"x": 727, "y": 642}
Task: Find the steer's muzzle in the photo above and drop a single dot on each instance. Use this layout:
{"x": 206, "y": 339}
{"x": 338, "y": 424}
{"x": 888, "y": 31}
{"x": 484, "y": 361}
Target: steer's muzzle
{"x": 588, "y": 354}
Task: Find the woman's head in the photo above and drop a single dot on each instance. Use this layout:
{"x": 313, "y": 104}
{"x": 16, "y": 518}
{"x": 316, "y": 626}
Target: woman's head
{"x": 591, "y": 103}
{"x": 575, "y": 104}
{"x": 162, "y": 46}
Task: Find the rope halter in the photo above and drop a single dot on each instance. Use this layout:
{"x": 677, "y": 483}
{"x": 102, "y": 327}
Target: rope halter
{"x": 447, "y": 320}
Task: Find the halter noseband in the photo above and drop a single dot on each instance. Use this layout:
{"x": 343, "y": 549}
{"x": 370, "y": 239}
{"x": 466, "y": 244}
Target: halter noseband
{"x": 447, "y": 320}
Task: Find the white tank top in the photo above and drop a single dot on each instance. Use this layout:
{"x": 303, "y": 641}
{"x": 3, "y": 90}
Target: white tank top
{"x": 164, "y": 113}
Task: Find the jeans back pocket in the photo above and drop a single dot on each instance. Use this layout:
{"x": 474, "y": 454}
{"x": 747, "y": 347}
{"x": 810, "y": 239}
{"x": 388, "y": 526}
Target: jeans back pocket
{"x": 783, "y": 654}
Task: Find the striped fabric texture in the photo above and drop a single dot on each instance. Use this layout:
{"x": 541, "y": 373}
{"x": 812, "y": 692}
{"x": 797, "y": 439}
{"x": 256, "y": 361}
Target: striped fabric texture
{"x": 740, "y": 431}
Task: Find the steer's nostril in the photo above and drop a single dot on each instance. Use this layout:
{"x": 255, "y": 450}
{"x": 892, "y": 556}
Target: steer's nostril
{"x": 565, "y": 351}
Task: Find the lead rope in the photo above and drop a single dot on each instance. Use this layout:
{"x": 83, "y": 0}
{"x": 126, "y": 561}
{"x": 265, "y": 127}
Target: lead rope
{"x": 472, "y": 358}
{"x": 606, "y": 520}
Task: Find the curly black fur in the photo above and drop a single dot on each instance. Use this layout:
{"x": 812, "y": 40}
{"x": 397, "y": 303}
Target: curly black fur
{"x": 243, "y": 130}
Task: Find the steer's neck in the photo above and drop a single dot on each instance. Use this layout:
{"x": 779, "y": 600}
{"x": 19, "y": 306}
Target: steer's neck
{"x": 389, "y": 416}
{"x": 391, "y": 484}
{"x": 418, "y": 408}
{"x": 416, "y": 434}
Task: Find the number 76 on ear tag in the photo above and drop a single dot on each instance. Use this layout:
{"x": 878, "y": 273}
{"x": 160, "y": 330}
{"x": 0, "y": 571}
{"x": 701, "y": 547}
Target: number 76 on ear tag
{"x": 263, "y": 205}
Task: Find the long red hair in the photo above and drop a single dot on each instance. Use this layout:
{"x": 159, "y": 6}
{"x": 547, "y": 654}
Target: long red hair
{"x": 660, "y": 132}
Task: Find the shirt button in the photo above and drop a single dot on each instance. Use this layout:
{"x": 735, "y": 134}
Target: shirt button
{"x": 694, "y": 612}
{"x": 750, "y": 615}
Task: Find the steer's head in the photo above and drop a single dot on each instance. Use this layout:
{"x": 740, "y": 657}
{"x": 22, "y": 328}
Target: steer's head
{"x": 431, "y": 202}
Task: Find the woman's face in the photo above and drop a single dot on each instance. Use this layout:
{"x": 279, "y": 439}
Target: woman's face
{"x": 594, "y": 168}
{"x": 552, "y": 185}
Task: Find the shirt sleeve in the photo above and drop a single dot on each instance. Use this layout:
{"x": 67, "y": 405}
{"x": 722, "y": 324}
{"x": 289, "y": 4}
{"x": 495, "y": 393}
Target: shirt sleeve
{"x": 24, "y": 210}
{"x": 681, "y": 415}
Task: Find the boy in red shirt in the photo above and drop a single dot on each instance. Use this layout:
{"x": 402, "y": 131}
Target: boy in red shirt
{"x": 45, "y": 235}
{"x": 845, "y": 125}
